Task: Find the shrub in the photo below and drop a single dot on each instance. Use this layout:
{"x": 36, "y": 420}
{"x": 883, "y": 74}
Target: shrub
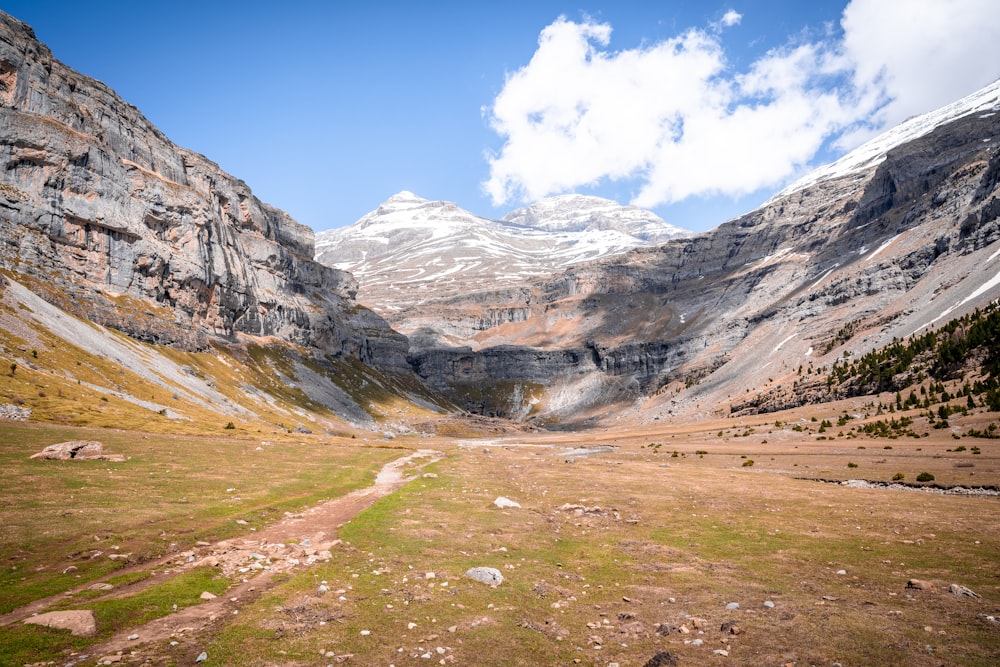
{"x": 925, "y": 477}
{"x": 852, "y": 465}
{"x": 230, "y": 425}
{"x": 898, "y": 476}
{"x": 748, "y": 463}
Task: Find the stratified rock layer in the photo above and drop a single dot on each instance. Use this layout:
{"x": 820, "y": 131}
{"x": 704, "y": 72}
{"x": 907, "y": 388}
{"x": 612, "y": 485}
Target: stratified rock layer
{"x": 116, "y": 223}
{"x": 710, "y": 324}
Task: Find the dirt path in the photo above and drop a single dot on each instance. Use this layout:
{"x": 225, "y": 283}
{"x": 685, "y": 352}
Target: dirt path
{"x": 296, "y": 541}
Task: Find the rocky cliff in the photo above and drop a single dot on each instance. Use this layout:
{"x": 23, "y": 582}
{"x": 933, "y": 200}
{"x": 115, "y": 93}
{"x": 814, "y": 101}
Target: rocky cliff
{"x": 838, "y": 265}
{"x": 112, "y": 221}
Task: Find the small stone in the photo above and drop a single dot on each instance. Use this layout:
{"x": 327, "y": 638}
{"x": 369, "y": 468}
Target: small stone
{"x": 960, "y": 590}
{"x": 768, "y": 604}
{"x": 365, "y": 633}
{"x": 731, "y": 628}
{"x": 662, "y": 659}
{"x": 732, "y": 606}
{"x": 918, "y": 585}
{"x": 504, "y": 503}
{"x": 207, "y": 595}
{"x": 79, "y": 622}
{"x": 322, "y": 588}
{"x": 721, "y": 651}
{"x": 841, "y": 571}
{"x": 411, "y": 625}
{"x": 202, "y": 657}
{"x": 486, "y": 575}
{"x": 132, "y": 638}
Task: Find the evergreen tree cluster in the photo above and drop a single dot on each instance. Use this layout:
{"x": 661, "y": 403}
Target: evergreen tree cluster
{"x": 971, "y": 342}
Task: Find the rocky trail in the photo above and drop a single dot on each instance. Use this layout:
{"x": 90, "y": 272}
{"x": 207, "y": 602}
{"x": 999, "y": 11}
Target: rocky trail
{"x": 299, "y": 540}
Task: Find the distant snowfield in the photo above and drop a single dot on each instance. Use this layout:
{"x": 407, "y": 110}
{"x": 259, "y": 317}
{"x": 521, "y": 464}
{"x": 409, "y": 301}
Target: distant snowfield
{"x": 410, "y": 240}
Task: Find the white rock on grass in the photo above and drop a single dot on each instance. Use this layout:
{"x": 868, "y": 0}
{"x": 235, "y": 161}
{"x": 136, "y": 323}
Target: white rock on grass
{"x": 79, "y": 622}
{"x": 504, "y": 503}
{"x": 486, "y": 575}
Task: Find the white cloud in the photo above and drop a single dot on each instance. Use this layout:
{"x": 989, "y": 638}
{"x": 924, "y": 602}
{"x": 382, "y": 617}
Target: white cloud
{"x": 925, "y": 54}
{"x": 674, "y": 120}
{"x": 731, "y": 18}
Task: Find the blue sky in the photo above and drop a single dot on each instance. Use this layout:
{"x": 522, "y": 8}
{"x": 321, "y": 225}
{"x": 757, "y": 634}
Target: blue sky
{"x": 698, "y": 111}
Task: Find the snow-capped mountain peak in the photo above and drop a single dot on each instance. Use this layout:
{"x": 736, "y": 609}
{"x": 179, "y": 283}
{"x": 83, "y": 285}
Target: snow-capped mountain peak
{"x": 578, "y": 213}
{"x": 414, "y": 243}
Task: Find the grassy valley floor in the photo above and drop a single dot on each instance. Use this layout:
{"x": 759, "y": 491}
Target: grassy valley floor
{"x": 714, "y": 543}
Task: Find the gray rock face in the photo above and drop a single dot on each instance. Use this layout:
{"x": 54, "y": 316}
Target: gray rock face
{"x": 843, "y": 264}
{"x": 120, "y": 225}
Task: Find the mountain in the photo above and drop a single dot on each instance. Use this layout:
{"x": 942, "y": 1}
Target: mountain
{"x": 896, "y": 238}
{"x": 104, "y": 217}
{"x": 141, "y": 285}
{"x": 410, "y": 247}
{"x": 582, "y": 213}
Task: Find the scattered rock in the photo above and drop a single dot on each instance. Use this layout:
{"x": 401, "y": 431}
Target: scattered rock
{"x": 82, "y": 450}
{"x": 919, "y": 585}
{"x": 731, "y": 628}
{"x": 504, "y": 503}
{"x": 486, "y": 575}
{"x": 662, "y": 659}
{"x": 958, "y": 589}
{"x": 207, "y": 596}
{"x": 14, "y": 412}
{"x": 733, "y": 606}
{"x": 133, "y": 637}
{"x": 202, "y": 657}
{"x": 721, "y": 651}
{"x": 768, "y": 604}
{"x": 80, "y": 622}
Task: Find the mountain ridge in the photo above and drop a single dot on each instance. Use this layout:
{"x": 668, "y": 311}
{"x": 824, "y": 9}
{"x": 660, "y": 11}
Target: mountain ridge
{"x": 414, "y": 243}
{"x": 102, "y": 216}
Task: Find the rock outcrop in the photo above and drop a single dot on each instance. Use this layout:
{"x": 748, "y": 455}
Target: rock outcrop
{"x": 112, "y": 221}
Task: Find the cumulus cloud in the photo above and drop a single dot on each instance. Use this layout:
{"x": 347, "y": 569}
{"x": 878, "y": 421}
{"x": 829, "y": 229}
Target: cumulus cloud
{"x": 676, "y": 121}
{"x": 924, "y": 55}
{"x": 730, "y": 18}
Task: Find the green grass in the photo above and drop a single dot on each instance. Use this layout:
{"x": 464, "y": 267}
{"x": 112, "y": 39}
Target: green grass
{"x": 21, "y": 644}
{"x": 171, "y": 493}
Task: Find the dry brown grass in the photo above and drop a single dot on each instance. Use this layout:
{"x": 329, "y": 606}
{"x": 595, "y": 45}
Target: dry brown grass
{"x": 675, "y": 540}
